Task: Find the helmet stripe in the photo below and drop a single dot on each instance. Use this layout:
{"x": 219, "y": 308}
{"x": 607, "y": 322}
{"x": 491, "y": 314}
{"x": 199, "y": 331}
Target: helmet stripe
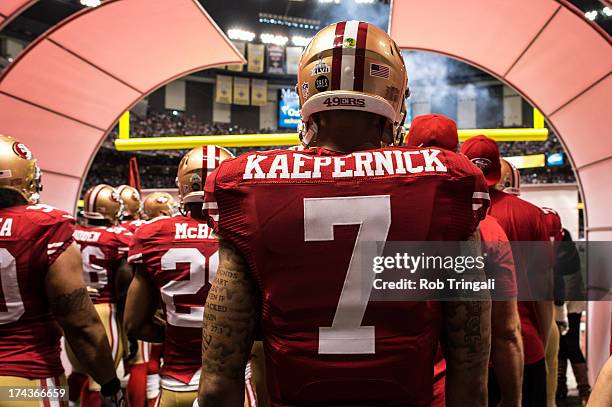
{"x": 362, "y": 36}
{"x": 212, "y": 157}
{"x": 93, "y": 197}
{"x": 337, "y": 55}
{"x": 347, "y": 72}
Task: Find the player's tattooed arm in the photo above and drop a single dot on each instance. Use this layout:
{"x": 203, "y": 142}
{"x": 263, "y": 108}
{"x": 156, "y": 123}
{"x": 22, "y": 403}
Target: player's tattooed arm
{"x": 70, "y": 304}
{"x": 140, "y": 307}
{"x": 466, "y": 341}
{"x": 230, "y": 318}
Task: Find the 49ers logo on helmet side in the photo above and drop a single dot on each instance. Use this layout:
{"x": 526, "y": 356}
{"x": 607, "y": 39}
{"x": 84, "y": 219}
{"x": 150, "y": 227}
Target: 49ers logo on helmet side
{"x": 22, "y": 151}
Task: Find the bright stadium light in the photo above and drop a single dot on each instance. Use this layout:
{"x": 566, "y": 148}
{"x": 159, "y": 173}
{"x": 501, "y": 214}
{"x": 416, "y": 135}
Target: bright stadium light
{"x": 91, "y": 3}
{"x": 242, "y": 35}
{"x": 300, "y": 41}
{"x": 607, "y": 11}
{"x": 273, "y": 39}
{"x": 591, "y": 15}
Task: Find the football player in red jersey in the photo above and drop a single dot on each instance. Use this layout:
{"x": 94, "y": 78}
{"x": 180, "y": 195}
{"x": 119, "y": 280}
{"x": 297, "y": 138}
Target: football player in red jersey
{"x": 555, "y": 234}
{"x": 433, "y": 130}
{"x": 144, "y": 366}
{"x": 296, "y": 229}
{"x": 522, "y": 222}
{"x": 42, "y": 285}
{"x": 104, "y": 248}
{"x": 175, "y": 259}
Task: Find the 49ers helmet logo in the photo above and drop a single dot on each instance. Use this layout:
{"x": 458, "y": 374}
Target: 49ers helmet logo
{"x": 22, "y": 151}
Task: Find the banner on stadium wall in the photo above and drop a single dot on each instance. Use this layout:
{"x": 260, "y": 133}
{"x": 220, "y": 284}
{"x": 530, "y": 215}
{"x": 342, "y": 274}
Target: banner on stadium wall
{"x": 275, "y": 59}
{"x": 240, "y": 46}
{"x": 288, "y": 109}
{"x": 528, "y": 161}
{"x": 241, "y": 91}
{"x": 293, "y": 59}
{"x": 256, "y": 58}
{"x": 223, "y": 89}
{"x": 259, "y": 92}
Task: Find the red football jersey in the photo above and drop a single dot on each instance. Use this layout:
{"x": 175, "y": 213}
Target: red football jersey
{"x": 302, "y": 220}
{"x": 31, "y": 238}
{"x": 180, "y": 255}
{"x": 500, "y": 263}
{"x": 553, "y": 224}
{"x": 132, "y": 225}
{"x": 523, "y": 222}
{"x": 102, "y": 249}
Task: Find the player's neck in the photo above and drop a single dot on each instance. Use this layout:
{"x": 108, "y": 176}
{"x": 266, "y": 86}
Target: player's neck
{"x": 195, "y": 211}
{"x": 97, "y": 223}
{"x": 9, "y": 199}
{"x": 364, "y": 139}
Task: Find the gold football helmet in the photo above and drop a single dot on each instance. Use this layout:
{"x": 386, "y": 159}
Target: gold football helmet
{"x": 193, "y": 170}
{"x": 352, "y": 65}
{"x": 131, "y": 201}
{"x": 102, "y": 202}
{"x": 510, "y": 181}
{"x": 158, "y": 204}
{"x": 19, "y": 171}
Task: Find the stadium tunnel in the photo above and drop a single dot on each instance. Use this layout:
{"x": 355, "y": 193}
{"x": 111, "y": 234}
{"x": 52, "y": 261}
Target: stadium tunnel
{"x": 67, "y": 90}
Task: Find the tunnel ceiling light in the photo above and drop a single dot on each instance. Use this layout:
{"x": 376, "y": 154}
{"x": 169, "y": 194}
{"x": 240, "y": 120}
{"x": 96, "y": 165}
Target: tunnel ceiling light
{"x": 591, "y": 15}
{"x": 242, "y": 35}
{"x": 91, "y": 3}
{"x": 300, "y": 41}
{"x": 273, "y": 39}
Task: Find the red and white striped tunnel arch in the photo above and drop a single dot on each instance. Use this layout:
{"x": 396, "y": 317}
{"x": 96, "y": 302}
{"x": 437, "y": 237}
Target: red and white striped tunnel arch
{"x": 67, "y": 90}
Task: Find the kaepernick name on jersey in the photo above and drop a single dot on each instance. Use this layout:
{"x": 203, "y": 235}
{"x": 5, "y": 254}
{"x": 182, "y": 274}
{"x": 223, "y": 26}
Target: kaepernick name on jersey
{"x": 362, "y": 164}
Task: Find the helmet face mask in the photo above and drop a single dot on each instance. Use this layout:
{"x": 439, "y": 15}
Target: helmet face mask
{"x": 193, "y": 169}
{"x": 19, "y": 171}
{"x": 352, "y": 65}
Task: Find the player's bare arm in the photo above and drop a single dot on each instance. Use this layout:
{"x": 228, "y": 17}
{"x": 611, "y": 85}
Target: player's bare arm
{"x": 545, "y": 310}
{"x": 123, "y": 278}
{"x": 507, "y": 351}
{"x": 73, "y": 309}
{"x": 140, "y": 307}
{"x": 602, "y": 391}
{"x": 230, "y": 320}
{"x": 466, "y": 341}
{"x": 258, "y": 369}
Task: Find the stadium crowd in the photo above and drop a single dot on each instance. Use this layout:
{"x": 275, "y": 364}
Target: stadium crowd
{"x": 157, "y": 169}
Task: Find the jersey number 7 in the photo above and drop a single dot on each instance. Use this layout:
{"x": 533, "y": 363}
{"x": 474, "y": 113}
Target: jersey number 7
{"x": 373, "y": 215}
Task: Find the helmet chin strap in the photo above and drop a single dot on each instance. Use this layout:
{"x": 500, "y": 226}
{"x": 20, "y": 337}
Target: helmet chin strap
{"x": 308, "y": 132}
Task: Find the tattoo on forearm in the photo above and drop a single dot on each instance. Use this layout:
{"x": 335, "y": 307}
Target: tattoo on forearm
{"x": 465, "y": 330}
{"x": 75, "y": 301}
{"x": 230, "y": 317}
